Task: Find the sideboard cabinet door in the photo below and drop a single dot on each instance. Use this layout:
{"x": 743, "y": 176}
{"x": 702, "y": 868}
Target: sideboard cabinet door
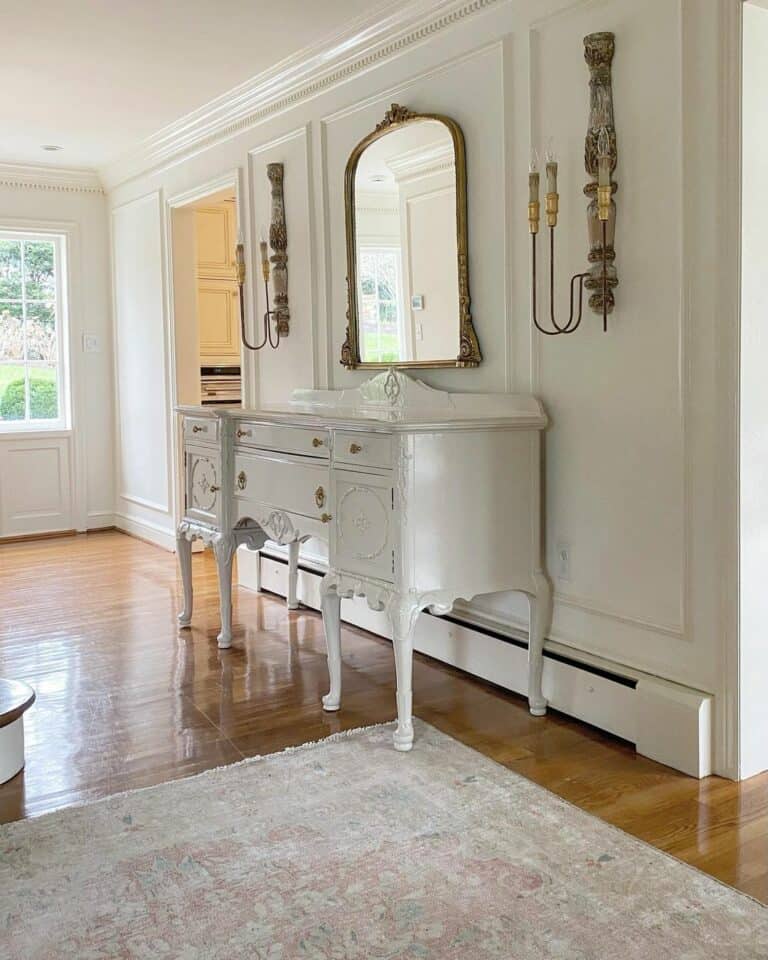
{"x": 203, "y": 486}
{"x": 362, "y": 532}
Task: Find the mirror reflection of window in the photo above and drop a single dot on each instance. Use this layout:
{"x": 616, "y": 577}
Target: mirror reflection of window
{"x": 381, "y": 308}
{"x": 406, "y": 245}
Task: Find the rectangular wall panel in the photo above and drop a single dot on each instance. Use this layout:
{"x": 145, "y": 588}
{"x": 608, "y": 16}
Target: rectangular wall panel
{"x": 35, "y": 486}
{"x": 143, "y": 478}
{"x": 281, "y": 371}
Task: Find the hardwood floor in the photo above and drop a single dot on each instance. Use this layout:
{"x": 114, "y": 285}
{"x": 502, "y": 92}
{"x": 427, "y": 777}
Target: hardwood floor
{"x": 125, "y": 700}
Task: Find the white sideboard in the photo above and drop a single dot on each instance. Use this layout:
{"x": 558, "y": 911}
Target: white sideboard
{"x": 423, "y": 497}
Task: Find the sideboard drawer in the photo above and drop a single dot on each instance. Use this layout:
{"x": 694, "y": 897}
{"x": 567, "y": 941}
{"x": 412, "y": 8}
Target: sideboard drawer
{"x": 287, "y": 483}
{"x": 363, "y": 449}
{"x": 275, "y": 436}
{"x": 201, "y": 428}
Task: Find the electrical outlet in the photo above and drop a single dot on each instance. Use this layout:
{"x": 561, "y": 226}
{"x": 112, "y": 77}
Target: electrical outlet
{"x": 563, "y": 567}
{"x": 91, "y": 343}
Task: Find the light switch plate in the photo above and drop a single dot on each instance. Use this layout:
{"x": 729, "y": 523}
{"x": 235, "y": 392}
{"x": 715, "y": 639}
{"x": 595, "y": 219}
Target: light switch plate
{"x": 91, "y": 343}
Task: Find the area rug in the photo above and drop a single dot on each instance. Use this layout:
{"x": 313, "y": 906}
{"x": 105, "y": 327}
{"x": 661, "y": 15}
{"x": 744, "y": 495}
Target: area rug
{"x": 347, "y": 850}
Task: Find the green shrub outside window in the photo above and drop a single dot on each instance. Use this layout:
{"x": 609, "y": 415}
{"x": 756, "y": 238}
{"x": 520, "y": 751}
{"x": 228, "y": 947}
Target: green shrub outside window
{"x": 43, "y": 401}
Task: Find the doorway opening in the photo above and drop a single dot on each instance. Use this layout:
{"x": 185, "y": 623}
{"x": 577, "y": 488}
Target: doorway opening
{"x": 206, "y": 301}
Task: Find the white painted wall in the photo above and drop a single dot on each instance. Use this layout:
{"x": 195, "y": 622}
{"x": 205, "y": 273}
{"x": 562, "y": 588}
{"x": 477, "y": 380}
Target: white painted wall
{"x": 63, "y": 480}
{"x": 754, "y": 398}
{"x": 632, "y": 478}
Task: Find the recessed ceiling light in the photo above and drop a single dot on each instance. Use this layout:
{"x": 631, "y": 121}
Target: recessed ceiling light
{"x": 51, "y": 147}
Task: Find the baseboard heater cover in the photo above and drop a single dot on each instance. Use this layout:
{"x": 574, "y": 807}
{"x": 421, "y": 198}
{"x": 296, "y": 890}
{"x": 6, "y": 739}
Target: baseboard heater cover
{"x": 664, "y": 720}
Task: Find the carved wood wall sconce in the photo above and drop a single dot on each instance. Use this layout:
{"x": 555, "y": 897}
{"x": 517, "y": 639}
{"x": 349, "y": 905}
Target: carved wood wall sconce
{"x": 600, "y": 157}
{"x": 278, "y": 241}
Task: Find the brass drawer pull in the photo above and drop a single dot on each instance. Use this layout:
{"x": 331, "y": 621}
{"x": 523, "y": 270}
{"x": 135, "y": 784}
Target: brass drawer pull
{"x": 355, "y": 448}
{"x": 196, "y": 428}
{"x": 242, "y": 480}
{"x": 317, "y": 442}
{"x": 213, "y": 488}
{"x": 242, "y": 433}
{"x": 325, "y": 517}
{"x": 320, "y": 497}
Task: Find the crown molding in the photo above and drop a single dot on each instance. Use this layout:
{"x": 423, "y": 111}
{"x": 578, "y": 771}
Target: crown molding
{"x": 39, "y": 176}
{"x": 377, "y": 201}
{"x": 422, "y": 161}
{"x": 363, "y": 45}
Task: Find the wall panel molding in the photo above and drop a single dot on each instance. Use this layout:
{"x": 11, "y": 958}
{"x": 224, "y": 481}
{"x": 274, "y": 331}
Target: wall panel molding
{"x": 288, "y": 365}
{"x": 592, "y": 606}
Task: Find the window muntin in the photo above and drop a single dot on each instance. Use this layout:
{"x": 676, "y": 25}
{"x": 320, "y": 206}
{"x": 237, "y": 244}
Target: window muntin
{"x": 32, "y": 324}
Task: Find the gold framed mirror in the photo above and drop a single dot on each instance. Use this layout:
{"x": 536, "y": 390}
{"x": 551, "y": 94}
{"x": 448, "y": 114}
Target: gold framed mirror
{"x": 405, "y": 193}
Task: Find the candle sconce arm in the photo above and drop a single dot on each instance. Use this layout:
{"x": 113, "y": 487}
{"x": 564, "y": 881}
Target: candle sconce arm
{"x": 573, "y": 319}
{"x": 274, "y": 342}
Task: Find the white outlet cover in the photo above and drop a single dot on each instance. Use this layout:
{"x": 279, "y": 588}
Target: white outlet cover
{"x": 90, "y": 343}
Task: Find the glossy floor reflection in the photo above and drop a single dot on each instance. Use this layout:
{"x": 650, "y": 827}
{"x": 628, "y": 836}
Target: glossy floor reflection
{"x": 126, "y": 700}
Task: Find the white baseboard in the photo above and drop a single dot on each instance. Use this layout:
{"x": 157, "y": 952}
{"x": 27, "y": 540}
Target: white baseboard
{"x": 666, "y": 721}
{"x": 100, "y": 519}
{"x": 147, "y": 530}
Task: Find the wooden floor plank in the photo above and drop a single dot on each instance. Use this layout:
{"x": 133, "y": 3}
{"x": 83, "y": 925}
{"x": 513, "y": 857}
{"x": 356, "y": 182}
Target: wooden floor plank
{"x": 126, "y": 700}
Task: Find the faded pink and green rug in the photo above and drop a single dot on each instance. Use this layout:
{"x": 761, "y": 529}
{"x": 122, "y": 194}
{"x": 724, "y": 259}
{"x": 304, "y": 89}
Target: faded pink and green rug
{"x": 347, "y": 850}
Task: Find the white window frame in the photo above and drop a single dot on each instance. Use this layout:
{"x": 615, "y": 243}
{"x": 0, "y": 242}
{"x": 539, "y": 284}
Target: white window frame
{"x": 63, "y": 422}
{"x": 372, "y": 246}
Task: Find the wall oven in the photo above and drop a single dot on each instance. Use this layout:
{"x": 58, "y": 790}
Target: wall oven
{"x": 220, "y": 386}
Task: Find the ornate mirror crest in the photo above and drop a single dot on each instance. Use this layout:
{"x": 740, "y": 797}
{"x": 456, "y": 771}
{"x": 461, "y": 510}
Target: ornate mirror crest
{"x": 405, "y": 291}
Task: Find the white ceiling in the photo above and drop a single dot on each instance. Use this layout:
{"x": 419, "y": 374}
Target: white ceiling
{"x": 98, "y": 76}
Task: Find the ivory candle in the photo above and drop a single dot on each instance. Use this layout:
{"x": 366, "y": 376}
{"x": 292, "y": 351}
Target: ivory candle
{"x": 264, "y": 258}
{"x": 533, "y": 186}
{"x": 533, "y": 178}
{"x": 551, "y": 176}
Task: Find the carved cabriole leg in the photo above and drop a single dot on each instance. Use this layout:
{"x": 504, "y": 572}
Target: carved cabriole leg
{"x": 224, "y": 548}
{"x": 331, "y": 607}
{"x": 293, "y": 574}
{"x": 184, "y": 551}
{"x": 402, "y": 614}
{"x": 540, "y": 607}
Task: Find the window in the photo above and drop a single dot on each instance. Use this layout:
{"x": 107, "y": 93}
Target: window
{"x": 32, "y": 322}
{"x": 381, "y": 324}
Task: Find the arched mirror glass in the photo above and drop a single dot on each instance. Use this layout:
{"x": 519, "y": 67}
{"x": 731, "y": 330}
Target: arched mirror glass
{"x": 406, "y": 216}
